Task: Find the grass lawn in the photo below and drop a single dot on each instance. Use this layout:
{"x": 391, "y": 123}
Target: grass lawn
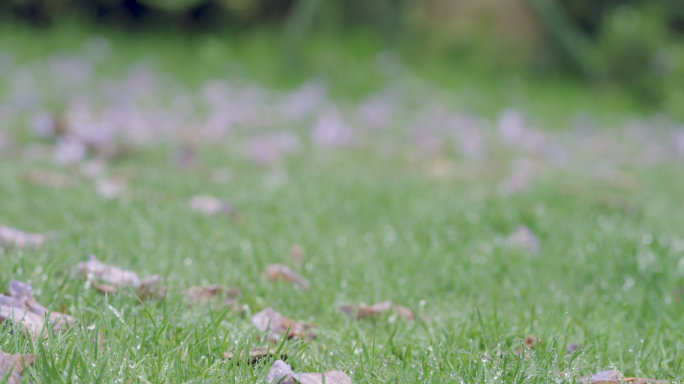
{"x": 608, "y": 276}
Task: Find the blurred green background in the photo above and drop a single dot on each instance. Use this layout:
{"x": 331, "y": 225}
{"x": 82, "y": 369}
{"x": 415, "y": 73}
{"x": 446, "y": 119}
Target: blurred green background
{"x": 631, "y": 45}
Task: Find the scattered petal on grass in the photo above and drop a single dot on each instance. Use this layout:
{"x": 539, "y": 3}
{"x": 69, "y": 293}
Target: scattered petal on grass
{"x": 281, "y": 373}
{"x": 255, "y": 354}
{"x": 212, "y": 294}
{"x": 529, "y": 342}
{"x": 11, "y": 237}
{"x": 184, "y": 158}
{"x": 208, "y": 205}
{"x": 110, "y": 188}
{"x": 107, "y": 278}
{"x": 275, "y": 272}
{"x": 14, "y": 365}
{"x": 277, "y": 325}
{"x": 571, "y": 348}
{"x": 362, "y": 310}
{"x": 297, "y": 253}
{"x": 69, "y": 150}
{"x": 93, "y": 169}
{"x": 150, "y": 288}
{"x": 20, "y": 306}
{"x": 107, "y": 273}
{"x": 616, "y": 377}
{"x": 524, "y": 239}
{"x": 47, "y": 179}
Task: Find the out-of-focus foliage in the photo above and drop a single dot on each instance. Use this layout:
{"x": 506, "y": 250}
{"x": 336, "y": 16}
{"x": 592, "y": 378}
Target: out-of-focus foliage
{"x": 636, "y": 44}
{"x": 639, "y": 50}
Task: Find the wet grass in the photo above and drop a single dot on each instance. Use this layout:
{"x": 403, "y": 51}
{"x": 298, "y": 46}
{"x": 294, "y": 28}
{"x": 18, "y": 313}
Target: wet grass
{"x": 605, "y": 279}
{"x": 608, "y": 277}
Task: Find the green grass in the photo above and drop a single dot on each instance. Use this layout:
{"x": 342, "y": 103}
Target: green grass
{"x": 409, "y": 238}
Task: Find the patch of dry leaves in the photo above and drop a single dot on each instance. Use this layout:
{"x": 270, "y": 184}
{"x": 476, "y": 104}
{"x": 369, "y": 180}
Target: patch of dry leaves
{"x": 20, "y": 306}
{"x": 277, "y": 325}
{"x": 281, "y": 373}
{"x": 362, "y": 310}
{"x": 275, "y": 272}
{"x": 107, "y": 278}
{"x": 14, "y": 365}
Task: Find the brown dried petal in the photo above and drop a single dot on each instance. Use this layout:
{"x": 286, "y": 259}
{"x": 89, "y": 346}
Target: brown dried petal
{"x": 20, "y": 306}
{"x": 14, "y": 364}
{"x": 11, "y": 237}
{"x": 104, "y": 288}
{"x": 530, "y": 342}
{"x": 362, "y": 310}
{"x": 208, "y": 205}
{"x": 47, "y": 179}
{"x": 255, "y": 354}
{"x": 150, "y": 289}
{"x": 275, "y": 272}
{"x": 212, "y": 294}
{"x": 282, "y": 373}
{"x": 297, "y": 253}
{"x": 109, "y": 274}
{"x": 277, "y": 325}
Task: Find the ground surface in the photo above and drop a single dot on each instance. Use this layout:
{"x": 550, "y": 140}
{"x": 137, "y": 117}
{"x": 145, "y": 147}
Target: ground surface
{"x": 423, "y": 225}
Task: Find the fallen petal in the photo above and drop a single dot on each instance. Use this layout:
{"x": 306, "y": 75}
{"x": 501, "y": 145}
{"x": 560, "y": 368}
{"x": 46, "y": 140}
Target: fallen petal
{"x": 208, "y": 205}
{"x": 297, "y": 253}
{"x": 47, "y": 179}
{"x": 212, "y": 294}
{"x": 255, "y": 354}
{"x": 362, "y": 310}
{"x": 530, "y": 342}
{"x": 523, "y": 238}
{"x": 281, "y": 373}
{"x": 275, "y": 272}
{"x": 11, "y": 237}
{"x": 109, "y": 274}
{"x": 20, "y": 306}
{"x": 110, "y": 188}
{"x": 616, "y": 377}
{"x": 14, "y": 365}
{"x": 607, "y": 377}
{"x": 150, "y": 288}
{"x": 277, "y": 325}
